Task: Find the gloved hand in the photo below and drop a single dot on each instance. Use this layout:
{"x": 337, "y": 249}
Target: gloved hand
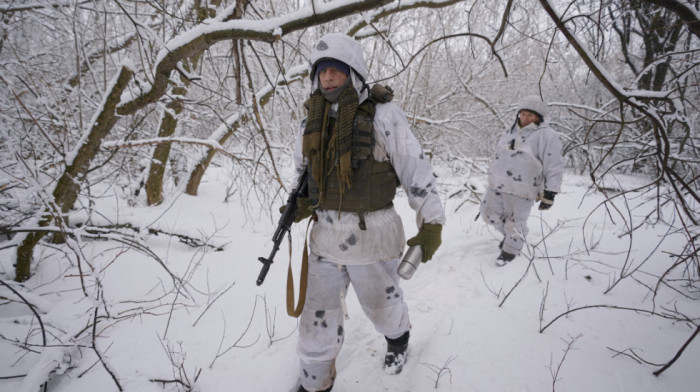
{"x": 303, "y": 209}
{"x": 547, "y": 200}
{"x": 429, "y": 238}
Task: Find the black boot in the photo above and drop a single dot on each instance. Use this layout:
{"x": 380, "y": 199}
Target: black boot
{"x": 396, "y": 354}
{"x": 302, "y": 389}
{"x": 504, "y": 258}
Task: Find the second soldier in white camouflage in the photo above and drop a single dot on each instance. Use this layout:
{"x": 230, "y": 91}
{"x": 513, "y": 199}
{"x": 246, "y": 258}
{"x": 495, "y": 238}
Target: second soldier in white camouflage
{"x": 528, "y": 166}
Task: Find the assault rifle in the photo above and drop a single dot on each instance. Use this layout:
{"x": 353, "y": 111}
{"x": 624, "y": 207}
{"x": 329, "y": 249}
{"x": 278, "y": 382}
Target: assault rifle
{"x": 285, "y": 222}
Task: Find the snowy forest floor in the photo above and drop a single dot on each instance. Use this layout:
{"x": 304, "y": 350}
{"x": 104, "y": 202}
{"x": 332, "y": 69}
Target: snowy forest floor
{"x": 475, "y": 326}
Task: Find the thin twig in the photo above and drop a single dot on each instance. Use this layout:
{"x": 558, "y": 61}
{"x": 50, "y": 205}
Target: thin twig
{"x": 220, "y": 353}
{"x": 212, "y": 302}
{"x": 516, "y": 283}
{"x": 97, "y": 352}
{"x": 555, "y": 372}
{"x": 440, "y": 371}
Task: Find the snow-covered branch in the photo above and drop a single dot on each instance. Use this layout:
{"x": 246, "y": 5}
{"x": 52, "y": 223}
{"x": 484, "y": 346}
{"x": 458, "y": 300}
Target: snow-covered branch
{"x": 204, "y": 35}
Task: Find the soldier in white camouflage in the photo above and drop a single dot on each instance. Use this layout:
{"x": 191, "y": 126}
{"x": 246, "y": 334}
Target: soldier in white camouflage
{"x": 528, "y": 167}
{"x": 358, "y": 148}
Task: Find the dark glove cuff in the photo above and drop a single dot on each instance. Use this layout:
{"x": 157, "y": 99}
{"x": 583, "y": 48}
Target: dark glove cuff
{"x": 549, "y": 195}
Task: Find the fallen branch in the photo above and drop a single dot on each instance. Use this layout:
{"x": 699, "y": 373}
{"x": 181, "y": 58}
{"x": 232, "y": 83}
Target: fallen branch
{"x": 678, "y": 354}
{"x": 649, "y": 312}
{"x": 31, "y": 307}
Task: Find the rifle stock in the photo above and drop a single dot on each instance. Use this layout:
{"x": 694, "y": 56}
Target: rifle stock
{"x": 285, "y": 223}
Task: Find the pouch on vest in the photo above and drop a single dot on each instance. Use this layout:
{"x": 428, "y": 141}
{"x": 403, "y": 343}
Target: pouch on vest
{"x": 381, "y": 94}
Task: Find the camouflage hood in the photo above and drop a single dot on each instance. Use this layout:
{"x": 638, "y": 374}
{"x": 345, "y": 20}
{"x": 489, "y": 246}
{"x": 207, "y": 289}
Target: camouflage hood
{"x": 343, "y": 48}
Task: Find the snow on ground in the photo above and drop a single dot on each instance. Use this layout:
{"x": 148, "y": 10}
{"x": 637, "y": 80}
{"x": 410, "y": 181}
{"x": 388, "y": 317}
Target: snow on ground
{"x": 475, "y": 326}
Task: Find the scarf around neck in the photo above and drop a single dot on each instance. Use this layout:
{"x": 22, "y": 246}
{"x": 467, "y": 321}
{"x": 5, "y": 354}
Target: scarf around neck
{"x": 334, "y": 147}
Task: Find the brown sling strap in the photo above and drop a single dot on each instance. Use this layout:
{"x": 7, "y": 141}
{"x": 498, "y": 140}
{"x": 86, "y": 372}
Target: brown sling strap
{"x": 303, "y": 278}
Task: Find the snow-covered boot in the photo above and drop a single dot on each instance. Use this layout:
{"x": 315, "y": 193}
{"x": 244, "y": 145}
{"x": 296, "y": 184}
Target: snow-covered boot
{"x": 504, "y": 258}
{"x": 396, "y": 354}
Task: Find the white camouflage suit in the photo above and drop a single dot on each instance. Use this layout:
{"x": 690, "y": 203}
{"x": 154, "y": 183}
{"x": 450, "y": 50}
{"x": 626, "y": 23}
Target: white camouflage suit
{"x": 341, "y": 253}
{"x": 518, "y": 175}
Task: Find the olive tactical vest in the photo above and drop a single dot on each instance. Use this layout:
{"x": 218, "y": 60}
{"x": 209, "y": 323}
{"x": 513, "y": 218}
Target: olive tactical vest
{"x": 373, "y": 183}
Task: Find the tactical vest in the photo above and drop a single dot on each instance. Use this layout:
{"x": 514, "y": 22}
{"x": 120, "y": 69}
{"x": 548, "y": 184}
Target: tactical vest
{"x": 373, "y": 183}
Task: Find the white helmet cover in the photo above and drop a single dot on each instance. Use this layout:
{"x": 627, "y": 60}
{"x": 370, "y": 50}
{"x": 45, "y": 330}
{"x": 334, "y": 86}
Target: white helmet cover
{"x": 340, "y": 47}
{"x": 533, "y": 103}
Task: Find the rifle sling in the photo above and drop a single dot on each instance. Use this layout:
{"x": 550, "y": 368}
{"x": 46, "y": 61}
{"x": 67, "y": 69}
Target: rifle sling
{"x": 303, "y": 278}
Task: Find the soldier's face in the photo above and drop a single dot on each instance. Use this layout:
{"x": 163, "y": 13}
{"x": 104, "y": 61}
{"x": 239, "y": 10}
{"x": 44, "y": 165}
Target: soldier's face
{"x": 527, "y": 118}
{"x": 331, "y": 78}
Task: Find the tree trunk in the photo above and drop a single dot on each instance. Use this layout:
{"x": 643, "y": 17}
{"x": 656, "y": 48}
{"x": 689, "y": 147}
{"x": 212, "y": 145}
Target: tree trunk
{"x": 201, "y": 166}
{"x": 68, "y": 186}
{"x": 168, "y": 124}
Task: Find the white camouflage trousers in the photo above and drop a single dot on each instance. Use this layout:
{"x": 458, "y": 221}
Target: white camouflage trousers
{"x": 321, "y": 331}
{"x": 508, "y": 214}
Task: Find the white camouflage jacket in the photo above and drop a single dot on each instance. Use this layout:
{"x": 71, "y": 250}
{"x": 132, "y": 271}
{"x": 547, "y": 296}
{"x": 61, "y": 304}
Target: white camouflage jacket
{"x": 337, "y": 237}
{"x": 528, "y": 161}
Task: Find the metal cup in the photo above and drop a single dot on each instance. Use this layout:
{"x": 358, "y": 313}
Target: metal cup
{"x": 410, "y": 262}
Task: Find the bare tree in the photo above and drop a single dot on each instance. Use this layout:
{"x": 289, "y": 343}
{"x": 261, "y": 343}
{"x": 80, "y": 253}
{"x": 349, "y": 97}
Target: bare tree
{"x": 145, "y": 95}
{"x": 151, "y": 84}
{"x": 656, "y": 125}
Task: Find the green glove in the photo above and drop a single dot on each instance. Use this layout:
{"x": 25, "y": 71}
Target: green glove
{"x": 303, "y": 209}
{"x": 429, "y": 238}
